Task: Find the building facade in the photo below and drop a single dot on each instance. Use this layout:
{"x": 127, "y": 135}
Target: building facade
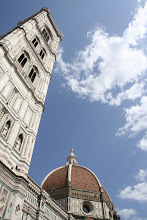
{"x": 28, "y": 53}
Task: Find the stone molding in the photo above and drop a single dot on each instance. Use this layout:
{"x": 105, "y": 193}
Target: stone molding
{"x": 25, "y": 20}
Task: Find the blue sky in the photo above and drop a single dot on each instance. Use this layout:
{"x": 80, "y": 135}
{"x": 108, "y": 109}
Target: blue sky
{"x": 97, "y": 98}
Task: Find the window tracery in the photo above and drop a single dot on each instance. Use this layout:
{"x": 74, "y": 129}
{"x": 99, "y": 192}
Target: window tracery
{"x": 32, "y": 74}
{"x": 46, "y": 33}
{"x": 23, "y": 58}
{"x": 42, "y": 53}
{"x": 35, "y": 41}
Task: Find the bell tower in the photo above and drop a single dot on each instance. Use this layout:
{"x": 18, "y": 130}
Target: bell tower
{"x": 27, "y": 56}
{"x": 28, "y": 53}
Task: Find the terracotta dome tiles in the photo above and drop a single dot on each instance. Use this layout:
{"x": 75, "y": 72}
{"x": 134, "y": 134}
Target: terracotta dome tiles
{"x": 82, "y": 178}
{"x": 56, "y": 180}
{"x": 106, "y": 194}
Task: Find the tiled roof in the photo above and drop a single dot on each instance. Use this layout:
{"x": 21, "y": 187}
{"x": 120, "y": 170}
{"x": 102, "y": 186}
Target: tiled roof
{"x": 56, "y": 180}
{"x": 82, "y": 178}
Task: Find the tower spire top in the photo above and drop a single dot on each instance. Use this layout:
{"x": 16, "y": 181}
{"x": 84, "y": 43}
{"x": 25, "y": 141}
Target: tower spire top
{"x": 71, "y": 159}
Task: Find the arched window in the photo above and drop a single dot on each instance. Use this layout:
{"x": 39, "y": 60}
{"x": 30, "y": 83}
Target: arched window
{"x": 6, "y": 128}
{"x": 47, "y": 34}
{"x": 19, "y": 142}
{"x": 33, "y": 73}
{"x": 42, "y": 53}
{"x": 35, "y": 41}
{"x": 110, "y": 215}
{"x": 23, "y": 58}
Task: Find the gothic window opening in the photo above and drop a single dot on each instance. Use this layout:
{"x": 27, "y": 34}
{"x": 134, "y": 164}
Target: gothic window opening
{"x": 33, "y": 77}
{"x": 23, "y": 59}
{"x": 6, "y": 128}
{"x": 35, "y": 41}
{"x": 110, "y": 215}
{"x": 19, "y": 142}
{"x": 32, "y": 74}
{"x": 46, "y": 34}
{"x": 43, "y": 31}
{"x": 42, "y": 53}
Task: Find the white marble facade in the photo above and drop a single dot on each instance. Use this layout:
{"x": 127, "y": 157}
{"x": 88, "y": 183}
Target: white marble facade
{"x": 27, "y": 56}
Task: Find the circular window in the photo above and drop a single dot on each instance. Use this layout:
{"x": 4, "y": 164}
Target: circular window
{"x": 87, "y": 207}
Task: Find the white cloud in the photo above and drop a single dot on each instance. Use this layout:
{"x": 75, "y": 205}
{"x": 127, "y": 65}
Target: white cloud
{"x": 136, "y": 121}
{"x": 112, "y": 69}
{"x": 109, "y": 63}
{"x": 126, "y": 213}
{"x": 142, "y": 175}
{"x": 143, "y": 143}
{"x": 129, "y": 94}
{"x": 139, "y": 1}
{"x": 137, "y": 192}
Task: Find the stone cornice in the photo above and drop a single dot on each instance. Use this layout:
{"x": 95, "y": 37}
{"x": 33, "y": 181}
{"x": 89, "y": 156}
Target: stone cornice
{"x": 15, "y": 180}
{"x": 52, "y": 22}
{"x": 25, "y": 20}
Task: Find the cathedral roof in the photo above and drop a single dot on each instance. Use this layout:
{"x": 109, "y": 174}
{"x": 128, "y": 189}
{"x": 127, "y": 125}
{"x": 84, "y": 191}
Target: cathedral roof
{"x": 79, "y": 177}
{"x": 75, "y": 181}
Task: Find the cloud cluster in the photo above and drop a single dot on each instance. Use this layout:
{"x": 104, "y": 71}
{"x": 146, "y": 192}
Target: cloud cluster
{"x": 142, "y": 175}
{"x": 136, "y": 121}
{"x": 109, "y": 63}
{"x": 112, "y": 69}
{"x": 137, "y": 192}
{"x": 126, "y": 213}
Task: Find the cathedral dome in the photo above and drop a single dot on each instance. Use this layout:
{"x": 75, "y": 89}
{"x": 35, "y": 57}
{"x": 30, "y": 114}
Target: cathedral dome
{"x": 79, "y": 177}
{"x": 75, "y": 181}
{"x": 78, "y": 190}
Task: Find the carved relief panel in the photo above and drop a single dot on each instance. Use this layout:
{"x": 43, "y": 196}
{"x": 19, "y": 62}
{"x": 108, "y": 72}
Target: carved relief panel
{"x": 7, "y": 122}
{"x": 9, "y": 206}
{"x": 3, "y": 199}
